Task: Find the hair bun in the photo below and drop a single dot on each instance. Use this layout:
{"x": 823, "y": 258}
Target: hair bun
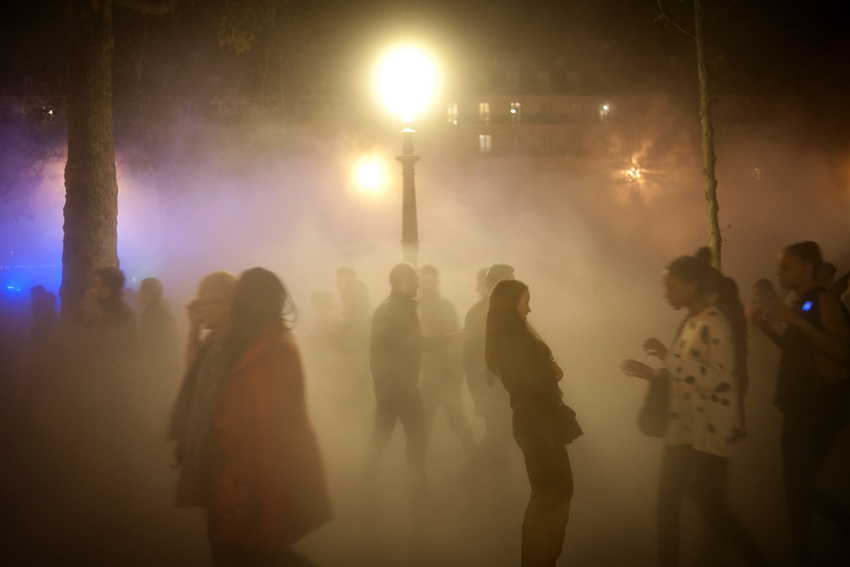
{"x": 703, "y": 254}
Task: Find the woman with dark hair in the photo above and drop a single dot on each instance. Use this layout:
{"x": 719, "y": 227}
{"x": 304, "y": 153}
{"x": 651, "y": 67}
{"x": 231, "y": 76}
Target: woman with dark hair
{"x": 525, "y": 366}
{"x": 812, "y": 388}
{"x": 704, "y": 369}
{"x": 272, "y": 490}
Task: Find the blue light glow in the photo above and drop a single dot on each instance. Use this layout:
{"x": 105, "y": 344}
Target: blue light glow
{"x": 807, "y": 306}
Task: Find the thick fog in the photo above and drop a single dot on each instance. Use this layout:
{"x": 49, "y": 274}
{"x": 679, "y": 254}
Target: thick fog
{"x": 590, "y": 244}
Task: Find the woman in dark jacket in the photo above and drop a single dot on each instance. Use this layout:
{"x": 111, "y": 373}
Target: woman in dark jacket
{"x": 526, "y": 368}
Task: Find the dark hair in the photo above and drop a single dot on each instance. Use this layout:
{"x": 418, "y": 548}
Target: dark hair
{"x": 502, "y": 316}
{"x": 712, "y": 281}
{"x": 401, "y": 271}
{"x": 692, "y": 269}
{"x": 152, "y": 286}
{"x": 259, "y": 300}
{"x": 703, "y": 253}
{"x": 826, "y": 274}
{"x": 430, "y": 270}
{"x": 764, "y": 285}
{"x": 497, "y": 273}
{"x": 112, "y": 277}
{"x": 729, "y": 301}
{"x": 807, "y": 252}
{"x": 347, "y": 272}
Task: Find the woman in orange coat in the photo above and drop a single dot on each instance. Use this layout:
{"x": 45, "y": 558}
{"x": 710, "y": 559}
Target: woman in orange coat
{"x": 272, "y": 490}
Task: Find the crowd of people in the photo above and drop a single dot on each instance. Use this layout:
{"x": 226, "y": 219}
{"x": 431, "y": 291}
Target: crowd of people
{"x": 247, "y": 452}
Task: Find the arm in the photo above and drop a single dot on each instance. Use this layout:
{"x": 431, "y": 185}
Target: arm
{"x": 832, "y": 340}
{"x": 522, "y": 367}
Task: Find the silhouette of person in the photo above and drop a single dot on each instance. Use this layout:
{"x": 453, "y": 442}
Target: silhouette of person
{"x": 812, "y": 388}
{"x": 396, "y": 354}
{"x": 442, "y": 370}
{"x": 705, "y": 370}
{"x": 272, "y": 489}
{"x": 491, "y": 404}
{"x": 526, "y": 369}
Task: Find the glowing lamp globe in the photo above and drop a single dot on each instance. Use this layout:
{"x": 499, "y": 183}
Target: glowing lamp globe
{"x": 406, "y": 81}
{"x": 369, "y": 176}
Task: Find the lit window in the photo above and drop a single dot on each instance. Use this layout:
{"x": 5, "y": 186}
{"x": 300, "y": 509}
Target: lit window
{"x": 603, "y": 112}
{"x": 755, "y": 173}
{"x": 453, "y": 113}
{"x": 484, "y": 112}
{"x": 485, "y": 143}
{"x": 516, "y": 113}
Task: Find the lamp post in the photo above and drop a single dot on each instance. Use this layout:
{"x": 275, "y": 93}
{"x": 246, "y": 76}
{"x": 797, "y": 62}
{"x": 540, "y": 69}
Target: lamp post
{"x": 406, "y": 82}
{"x": 409, "y": 221}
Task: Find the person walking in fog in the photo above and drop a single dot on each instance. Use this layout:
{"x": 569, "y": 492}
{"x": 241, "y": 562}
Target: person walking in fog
{"x": 524, "y": 365}
{"x": 350, "y": 339}
{"x": 442, "y": 370}
{"x": 812, "y": 389}
{"x": 192, "y": 424}
{"x": 272, "y": 489}
{"x": 491, "y": 404}
{"x": 396, "y": 355}
{"x": 704, "y": 376}
{"x": 159, "y": 349}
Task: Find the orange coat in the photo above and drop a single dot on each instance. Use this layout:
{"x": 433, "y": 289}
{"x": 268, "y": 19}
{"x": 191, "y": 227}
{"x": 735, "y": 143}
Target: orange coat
{"x": 273, "y": 489}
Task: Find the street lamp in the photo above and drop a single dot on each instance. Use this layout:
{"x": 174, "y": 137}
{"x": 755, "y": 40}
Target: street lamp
{"x": 406, "y": 82}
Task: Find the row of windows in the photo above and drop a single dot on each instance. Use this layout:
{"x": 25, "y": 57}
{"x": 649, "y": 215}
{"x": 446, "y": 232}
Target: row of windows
{"x": 516, "y": 112}
{"x": 546, "y": 141}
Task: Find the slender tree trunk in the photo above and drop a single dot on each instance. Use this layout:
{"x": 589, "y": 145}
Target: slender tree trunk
{"x": 708, "y": 158}
{"x": 91, "y": 188}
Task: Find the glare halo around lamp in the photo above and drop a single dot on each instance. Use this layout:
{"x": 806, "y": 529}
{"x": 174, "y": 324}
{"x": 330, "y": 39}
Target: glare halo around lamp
{"x": 406, "y": 81}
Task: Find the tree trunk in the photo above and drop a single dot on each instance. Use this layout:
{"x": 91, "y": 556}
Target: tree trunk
{"x": 91, "y": 188}
{"x": 708, "y": 158}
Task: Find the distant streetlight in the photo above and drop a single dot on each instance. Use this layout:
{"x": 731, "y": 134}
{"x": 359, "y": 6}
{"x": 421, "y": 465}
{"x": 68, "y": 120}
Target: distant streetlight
{"x": 370, "y": 176}
{"x": 406, "y": 81}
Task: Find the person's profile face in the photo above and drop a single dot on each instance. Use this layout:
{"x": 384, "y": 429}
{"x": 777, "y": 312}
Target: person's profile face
{"x": 409, "y": 285}
{"x": 791, "y": 272}
{"x": 523, "y": 307}
{"x": 677, "y": 291}
{"x": 213, "y": 309}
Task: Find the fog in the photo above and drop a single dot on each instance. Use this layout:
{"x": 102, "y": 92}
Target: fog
{"x": 590, "y": 245}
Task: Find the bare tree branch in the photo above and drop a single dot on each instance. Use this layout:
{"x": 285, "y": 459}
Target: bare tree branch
{"x": 723, "y": 10}
{"x": 669, "y": 20}
{"x": 155, "y": 8}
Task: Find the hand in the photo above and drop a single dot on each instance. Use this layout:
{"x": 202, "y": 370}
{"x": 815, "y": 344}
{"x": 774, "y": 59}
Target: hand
{"x": 758, "y": 320}
{"x": 461, "y": 337}
{"x": 778, "y": 311}
{"x": 638, "y": 370}
{"x": 654, "y": 347}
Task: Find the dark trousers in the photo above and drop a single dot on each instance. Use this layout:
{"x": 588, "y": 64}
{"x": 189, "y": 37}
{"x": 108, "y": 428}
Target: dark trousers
{"x": 806, "y": 445}
{"x": 404, "y": 406}
{"x": 548, "y": 511}
{"x": 686, "y": 470}
{"x": 440, "y": 391}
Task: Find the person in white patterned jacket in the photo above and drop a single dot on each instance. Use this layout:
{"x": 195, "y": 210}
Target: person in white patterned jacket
{"x": 705, "y": 391}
